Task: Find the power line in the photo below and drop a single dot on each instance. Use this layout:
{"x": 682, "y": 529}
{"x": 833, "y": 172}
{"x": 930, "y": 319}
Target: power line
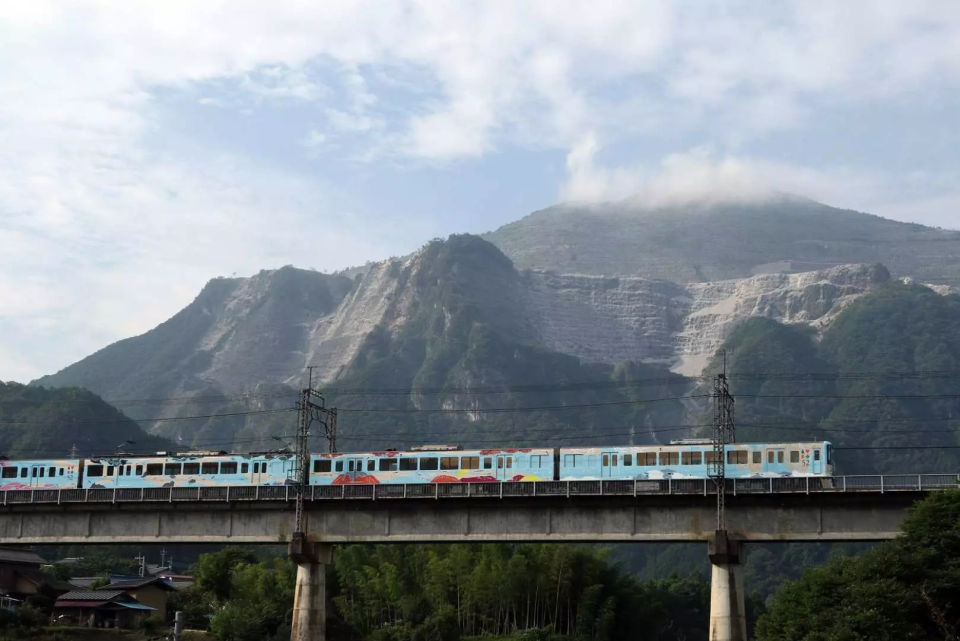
{"x": 162, "y": 419}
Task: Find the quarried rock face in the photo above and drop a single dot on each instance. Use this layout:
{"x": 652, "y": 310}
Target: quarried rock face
{"x": 269, "y": 327}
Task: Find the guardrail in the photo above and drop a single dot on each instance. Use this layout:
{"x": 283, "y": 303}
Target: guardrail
{"x": 638, "y": 487}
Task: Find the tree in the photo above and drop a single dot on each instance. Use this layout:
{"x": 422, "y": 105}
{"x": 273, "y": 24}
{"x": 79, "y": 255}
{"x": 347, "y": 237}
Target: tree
{"x": 214, "y": 572}
{"x": 906, "y": 589}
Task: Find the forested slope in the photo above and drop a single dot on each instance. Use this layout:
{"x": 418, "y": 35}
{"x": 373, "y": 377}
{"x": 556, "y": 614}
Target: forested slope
{"x": 40, "y": 422}
{"x": 882, "y": 384}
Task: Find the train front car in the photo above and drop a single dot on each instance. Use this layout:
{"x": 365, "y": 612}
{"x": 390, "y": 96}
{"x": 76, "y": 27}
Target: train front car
{"x": 51, "y": 474}
{"x": 189, "y": 469}
{"x": 695, "y": 459}
{"x": 432, "y": 466}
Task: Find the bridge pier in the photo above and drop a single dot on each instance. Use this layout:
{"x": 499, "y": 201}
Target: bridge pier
{"x": 728, "y": 621}
{"x": 310, "y": 600}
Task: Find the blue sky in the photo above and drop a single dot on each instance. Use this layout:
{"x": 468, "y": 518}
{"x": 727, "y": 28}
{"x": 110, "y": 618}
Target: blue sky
{"x": 147, "y": 147}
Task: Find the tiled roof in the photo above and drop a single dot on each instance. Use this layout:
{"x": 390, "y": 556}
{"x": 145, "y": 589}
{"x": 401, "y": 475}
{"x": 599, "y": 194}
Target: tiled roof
{"x": 18, "y": 555}
{"x": 37, "y": 577}
{"x": 133, "y": 584}
{"x": 90, "y": 595}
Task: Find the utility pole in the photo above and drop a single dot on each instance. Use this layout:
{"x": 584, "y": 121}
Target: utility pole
{"x": 308, "y": 412}
{"x": 724, "y": 432}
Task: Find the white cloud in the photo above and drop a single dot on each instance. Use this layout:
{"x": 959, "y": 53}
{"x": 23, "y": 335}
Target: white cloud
{"x": 702, "y": 175}
{"x": 109, "y": 222}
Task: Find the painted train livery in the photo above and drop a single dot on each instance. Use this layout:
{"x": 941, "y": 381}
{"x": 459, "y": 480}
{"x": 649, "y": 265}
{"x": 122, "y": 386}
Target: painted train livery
{"x": 691, "y": 458}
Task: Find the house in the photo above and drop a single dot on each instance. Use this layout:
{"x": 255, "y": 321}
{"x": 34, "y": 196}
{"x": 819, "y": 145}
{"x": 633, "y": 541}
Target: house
{"x": 151, "y": 591}
{"x": 21, "y": 576}
{"x": 100, "y": 609}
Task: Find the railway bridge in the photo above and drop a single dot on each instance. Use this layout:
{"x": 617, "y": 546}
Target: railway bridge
{"x": 849, "y": 508}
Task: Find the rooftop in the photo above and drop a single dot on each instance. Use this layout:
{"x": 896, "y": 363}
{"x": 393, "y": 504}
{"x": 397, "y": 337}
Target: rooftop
{"x": 19, "y": 555}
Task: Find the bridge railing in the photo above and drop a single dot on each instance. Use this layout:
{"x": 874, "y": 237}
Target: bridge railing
{"x": 368, "y": 492}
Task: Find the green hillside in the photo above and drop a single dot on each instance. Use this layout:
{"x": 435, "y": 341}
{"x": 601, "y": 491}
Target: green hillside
{"x": 853, "y": 387}
{"x": 41, "y": 422}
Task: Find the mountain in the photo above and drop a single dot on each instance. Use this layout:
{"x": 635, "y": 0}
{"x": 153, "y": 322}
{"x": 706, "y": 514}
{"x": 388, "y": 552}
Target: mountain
{"x": 457, "y": 314}
{"x": 709, "y": 242}
{"x": 882, "y": 376}
{"x": 35, "y": 421}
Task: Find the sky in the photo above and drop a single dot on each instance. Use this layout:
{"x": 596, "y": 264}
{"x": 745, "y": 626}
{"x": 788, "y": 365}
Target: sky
{"x": 147, "y": 147}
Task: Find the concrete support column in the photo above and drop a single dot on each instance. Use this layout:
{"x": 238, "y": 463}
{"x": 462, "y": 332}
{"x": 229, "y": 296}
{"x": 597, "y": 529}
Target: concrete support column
{"x": 728, "y": 621}
{"x": 310, "y": 601}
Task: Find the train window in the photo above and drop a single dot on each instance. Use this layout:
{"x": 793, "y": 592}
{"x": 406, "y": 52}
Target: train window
{"x": 228, "y": 468}
{"x": 256, "y": 468}
{"x": 669, "y": 458}
{"x": 42, "y": 470}
{"x": 429, "y": 463}
{"x": 154, "y": 469}
{"x": 710, "y": 458}
{"x": 94, "y": 470}
{"x": 52, "y": 471}
{"x": 816, "y": 455}
{"x": 628, "y": 459}
{"x": 449, "y": 463}
{"x": 647, "y": 458}
{"x": 499, "y": 462}
{"x": 205, "y": 468}
{"x": 321, "y": 465}
{"x": 172, "y": 469}
{"x": 139, "y": 470}
{"x": 244, "y": 468}
{"x": 757, "y": 457}
{"x": 34, "y": 473}
{"x": 737, "y": 457}
{"x": 9, "y": 473}
{"x": 129, "y": 467}
{"x": 110, "y": 470}
{"x": 690, "y": 458}
{"x": 61, "y": 471}
{"x": 570, "y": 460}
{"x": 23, "y": 472}
{"x": 606, "y": 460}
{"x": 338, "y": 466}
{"x": 487, "y": 463}
{"x": 509, "y": 462}
{"x": 191, "y": 468}
{"x": 470, "y": 463}
{"x": 614, "y": 458}
{"x": 779, "y": 456}
{"x": 388, "y": 465}
{"x": 769, "y": 456}
{"x": 794, "y": 456}
{"x": 408, "y": 464}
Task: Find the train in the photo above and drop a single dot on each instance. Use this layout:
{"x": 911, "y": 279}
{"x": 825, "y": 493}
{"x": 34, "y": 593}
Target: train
{"x": 680, "y": 459}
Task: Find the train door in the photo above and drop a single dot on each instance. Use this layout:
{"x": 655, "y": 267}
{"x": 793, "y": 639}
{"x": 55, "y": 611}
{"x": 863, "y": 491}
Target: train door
{"x": 608, "y": 465}
{"x": 258, "y": 472}
{"x": 775, "y": 458}
{"x": 35, "y": 475}
{"x": 504, "y": 467}
{"x": 816, "y": 465}
{"x": 354, "y": 466}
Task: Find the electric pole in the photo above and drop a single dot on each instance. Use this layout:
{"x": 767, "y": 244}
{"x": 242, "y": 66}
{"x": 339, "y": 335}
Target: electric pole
{"x": 724, "y": 432}
{"x": 308, "y": 412}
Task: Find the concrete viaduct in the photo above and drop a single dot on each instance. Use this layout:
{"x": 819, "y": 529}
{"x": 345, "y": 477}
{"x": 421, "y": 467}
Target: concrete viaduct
{"x": 787, "y": 509}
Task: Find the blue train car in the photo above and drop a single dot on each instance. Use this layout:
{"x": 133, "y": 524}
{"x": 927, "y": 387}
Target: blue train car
{"x": 694, "y": 459}
{"x": 47, "y": 474}
{"x": 433, "y": 466}
{"x": 188, "y": 469}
